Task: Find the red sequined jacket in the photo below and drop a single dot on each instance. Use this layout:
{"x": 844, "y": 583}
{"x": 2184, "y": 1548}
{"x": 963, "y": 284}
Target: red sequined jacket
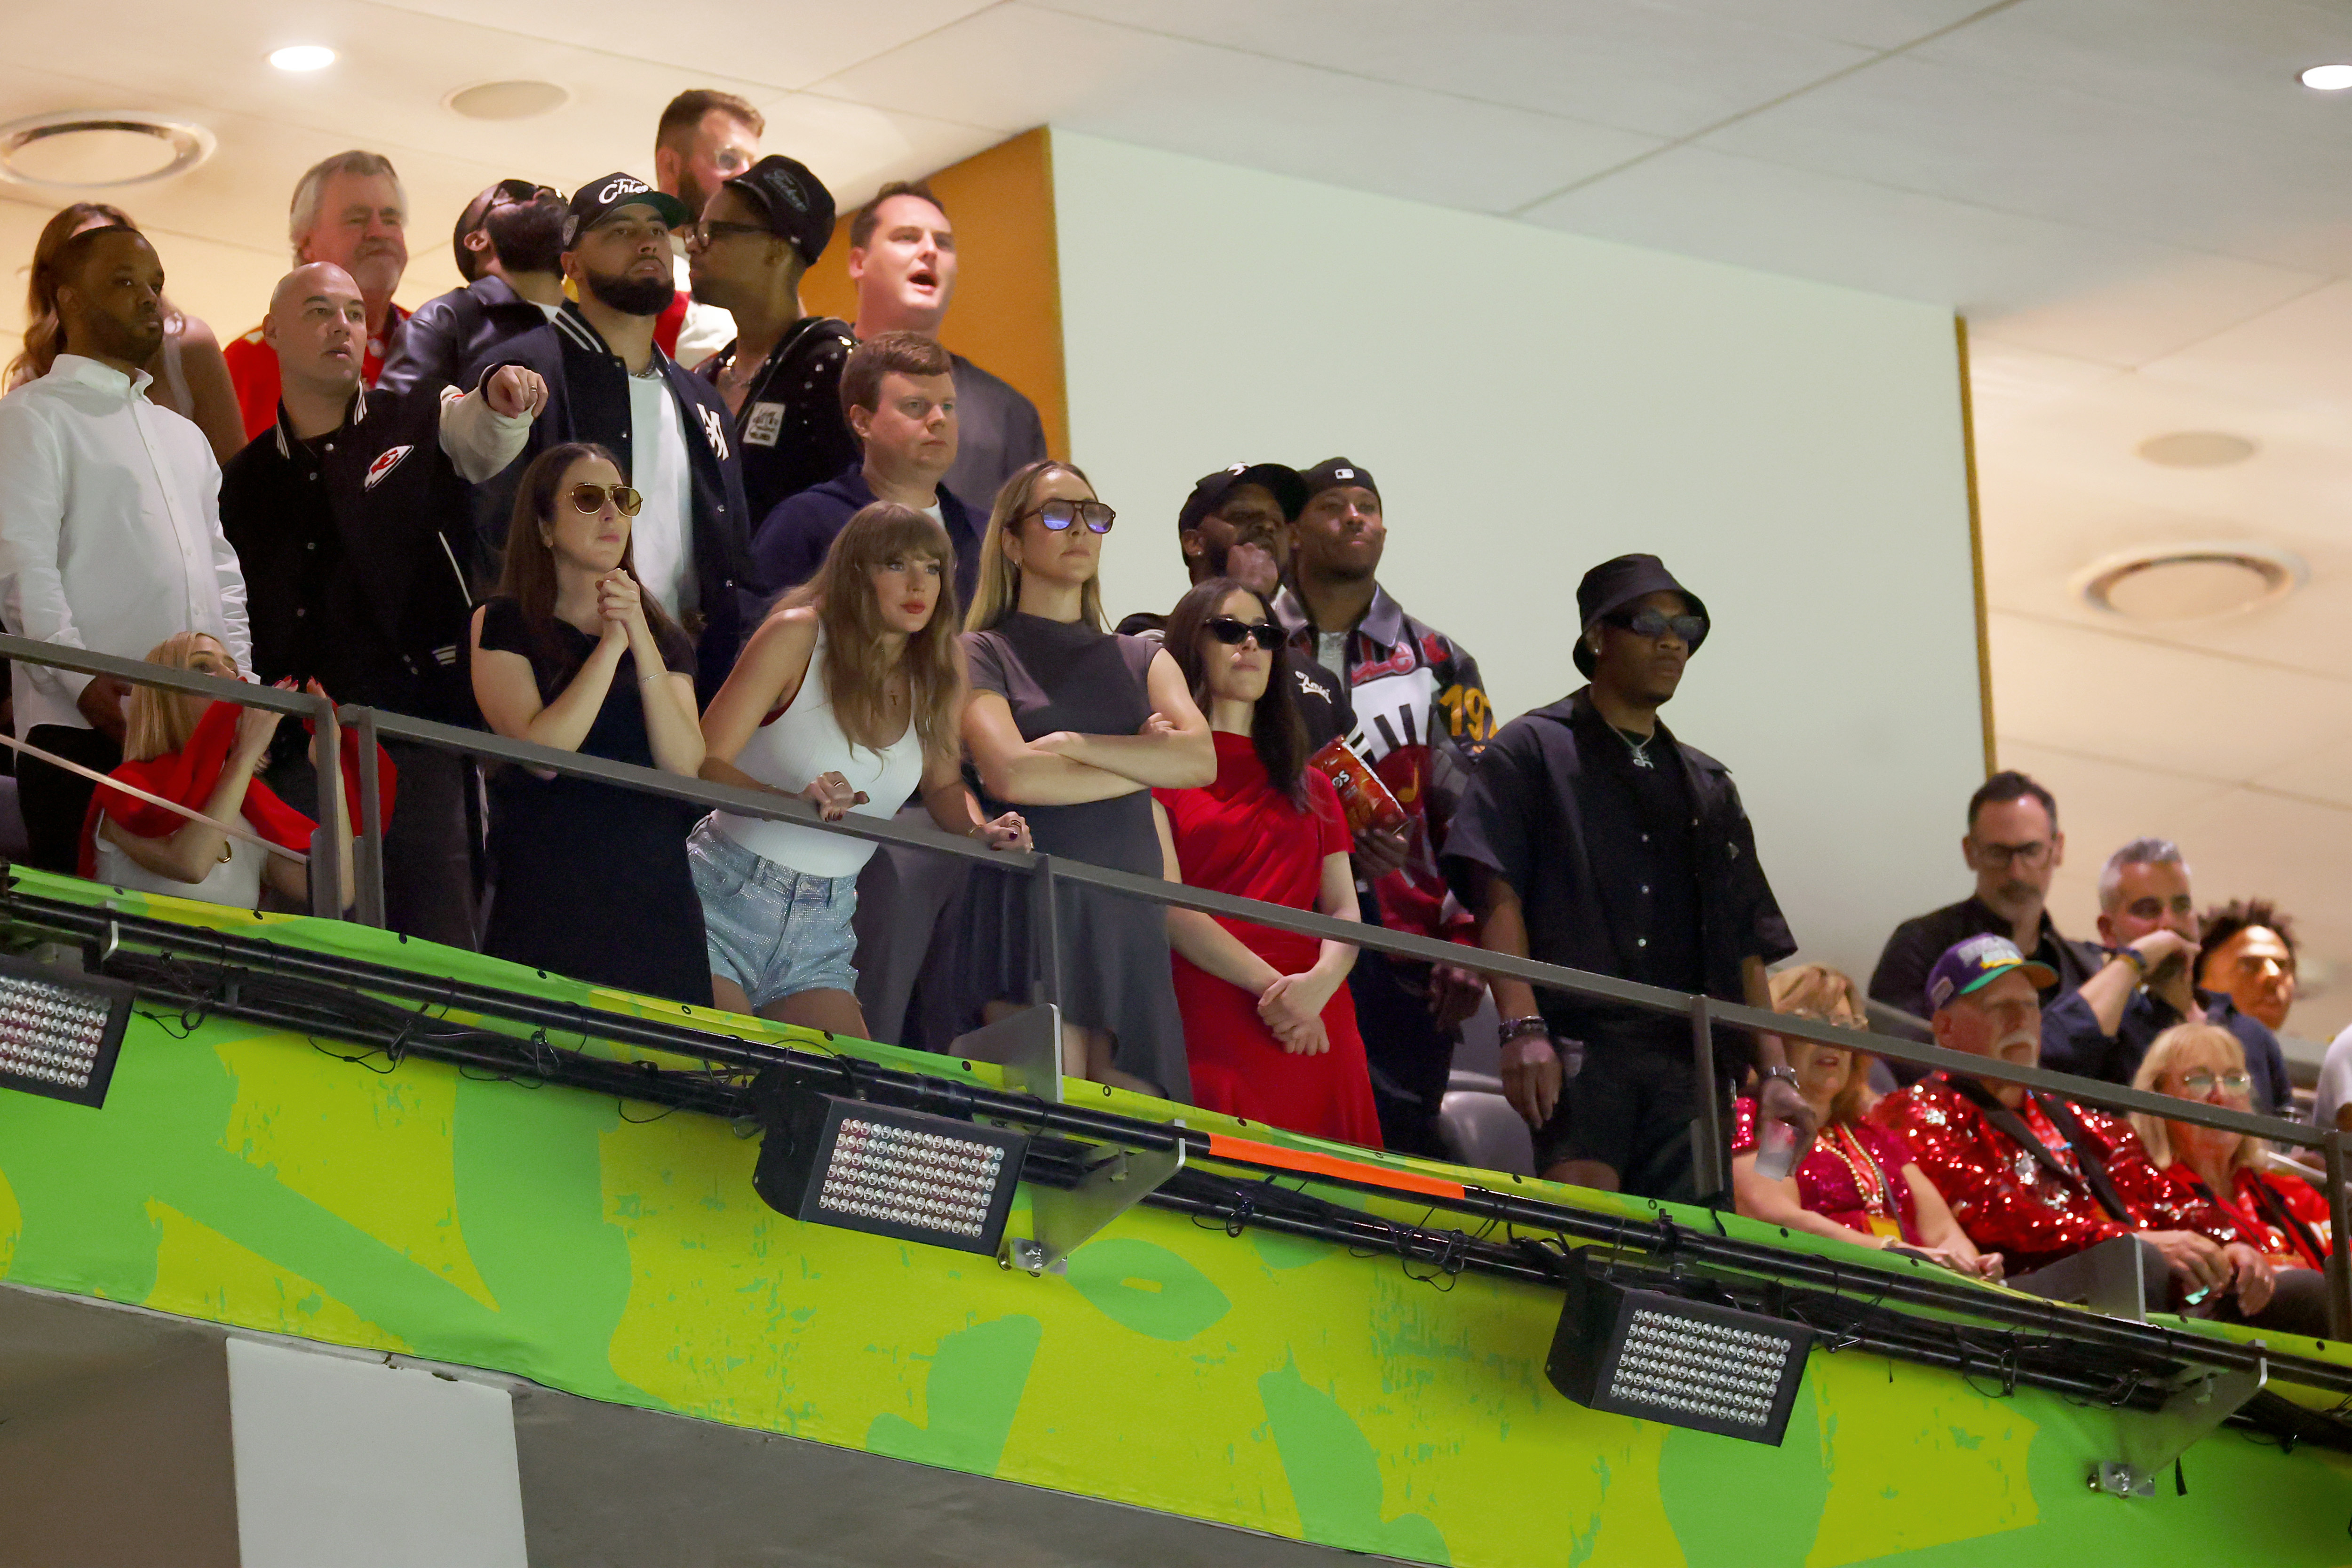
{"x": 2009, "y": 1202}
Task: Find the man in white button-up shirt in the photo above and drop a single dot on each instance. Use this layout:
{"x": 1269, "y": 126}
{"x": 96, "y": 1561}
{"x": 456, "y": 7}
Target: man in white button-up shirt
{"x": 110, "y": 526}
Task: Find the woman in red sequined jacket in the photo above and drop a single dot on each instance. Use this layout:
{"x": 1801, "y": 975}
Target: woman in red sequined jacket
{"x": 2282, "y": 1216}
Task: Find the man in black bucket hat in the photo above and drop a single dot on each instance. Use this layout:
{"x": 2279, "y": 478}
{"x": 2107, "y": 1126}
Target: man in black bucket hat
{"x": 1590, "y": 837}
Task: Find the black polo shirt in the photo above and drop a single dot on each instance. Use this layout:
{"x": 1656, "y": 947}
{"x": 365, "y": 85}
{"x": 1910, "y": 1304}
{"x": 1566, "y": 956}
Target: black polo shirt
{"x": 1901, "y": 978}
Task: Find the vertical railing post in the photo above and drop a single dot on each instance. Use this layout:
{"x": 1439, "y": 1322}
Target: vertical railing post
{"x": 326, "y": 854}
{"x": 1044, "y": 936}
{"x": 368, "y": 853}
{"x": 2339, "y": 1229}
{"x": 1708, "y": 1147}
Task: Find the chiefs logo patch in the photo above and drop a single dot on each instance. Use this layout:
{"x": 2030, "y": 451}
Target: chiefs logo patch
{"x": 386, "y": 461}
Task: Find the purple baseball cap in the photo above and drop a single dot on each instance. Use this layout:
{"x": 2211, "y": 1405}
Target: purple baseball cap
{"x": 1977, "y": 962}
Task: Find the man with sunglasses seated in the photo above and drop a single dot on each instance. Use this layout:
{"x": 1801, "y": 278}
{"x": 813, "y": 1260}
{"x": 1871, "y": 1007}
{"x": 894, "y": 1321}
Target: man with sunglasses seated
{"x": 2014, "y": 849}
{"x": 350, "y": 517}
{"x": 1591, "y": 838}
{"x": 506, "y": 243}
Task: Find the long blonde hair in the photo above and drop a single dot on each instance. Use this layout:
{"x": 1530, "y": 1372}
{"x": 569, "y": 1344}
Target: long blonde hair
{"x": 999, "y": 592}
{"x": 157, "y": 722}
{"x": 1829, "y": 995}
{"x": 856, "y": 679}
{"x": 2154, "y": 1066}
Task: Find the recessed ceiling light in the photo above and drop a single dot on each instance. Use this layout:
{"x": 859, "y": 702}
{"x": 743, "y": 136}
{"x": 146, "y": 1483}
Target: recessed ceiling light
{"x": 2328, "y": 79}
{"x": 508, "y": 100}
{"x": 2197, "y": 449}
{"x": 302, "y": 58}
{"x": 95, "y": 149}
{"x": 2191, "y": 582}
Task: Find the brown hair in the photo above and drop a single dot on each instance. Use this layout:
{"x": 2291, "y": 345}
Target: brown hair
{"x": 45, "y": 335}
{"x": 157, "y": 722}
{"x": 528, "y": 575}
{"x": 687, "y": 110}
{"x": 1828, "y": 995}
{"x": 856, "y": 679}
{"x": 1278, "y": 733}
{"x": 998, "y": 594}
{"x": 861, "y": 228}
{"x": 908, "y": 353}
{"x": 2156, "y": 1066}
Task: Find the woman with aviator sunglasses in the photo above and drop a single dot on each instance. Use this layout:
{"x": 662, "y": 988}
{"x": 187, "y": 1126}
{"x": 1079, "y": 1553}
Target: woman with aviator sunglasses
{"x": 592, "y": 879}
{"x": 1269, "y": 1025}
{"x": 1073, "y": 726}
{"x": 2280, "y": 1216}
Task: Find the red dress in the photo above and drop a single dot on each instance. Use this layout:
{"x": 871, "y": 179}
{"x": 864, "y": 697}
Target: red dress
{"x": 1849, "y": 1174}
{"x": 1241, "y": 836}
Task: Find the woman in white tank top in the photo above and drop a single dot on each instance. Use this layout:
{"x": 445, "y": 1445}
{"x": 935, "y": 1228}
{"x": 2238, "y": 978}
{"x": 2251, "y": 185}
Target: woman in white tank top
{"x": 849, "y": 697}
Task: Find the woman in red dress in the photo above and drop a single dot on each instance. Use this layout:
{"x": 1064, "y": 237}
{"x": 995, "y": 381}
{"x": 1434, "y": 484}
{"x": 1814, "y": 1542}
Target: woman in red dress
{"x": 1269, "y": 1027}
{"x": 2281, "y": 1216}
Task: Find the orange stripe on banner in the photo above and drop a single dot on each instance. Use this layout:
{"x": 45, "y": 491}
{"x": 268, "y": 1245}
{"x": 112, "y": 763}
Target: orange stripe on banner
{"x": 1224, "y": 1148}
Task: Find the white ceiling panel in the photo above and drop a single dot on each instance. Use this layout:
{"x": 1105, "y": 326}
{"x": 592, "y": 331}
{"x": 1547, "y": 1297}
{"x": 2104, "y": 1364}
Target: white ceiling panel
{"x": 1872, "y": 23}
{"x": 1237, "y": 108}
{"x": 2325, "y": 775}
{"x": 2300, "y": 353}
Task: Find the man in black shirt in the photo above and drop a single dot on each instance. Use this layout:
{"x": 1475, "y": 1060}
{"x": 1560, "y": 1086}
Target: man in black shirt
{"x": 350, "y": 517}
{"x": 780, "y": 377}
{"x": 506, "y": 242}
{"x": 2014, "y": 847}
{"x": 1590, "y": 837}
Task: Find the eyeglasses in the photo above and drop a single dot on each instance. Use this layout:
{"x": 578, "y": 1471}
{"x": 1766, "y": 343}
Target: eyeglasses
{"x": 710, "y": 231}
{"x": 730, "y": 161}
{"x": 515, "y": 193}
{"x": 2000, "y": 856}
{"x": 1232, "y": 633}
{"x": 2201, "y": 1082}
{"x": 1058, "y": 515}
{"x": 1656, "y": 623}
{"x": 591, "y": 499}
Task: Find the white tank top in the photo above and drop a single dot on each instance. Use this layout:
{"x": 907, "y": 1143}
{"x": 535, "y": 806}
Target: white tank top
{"x": 796, "y": 746}
{"x": 236, "y": 882}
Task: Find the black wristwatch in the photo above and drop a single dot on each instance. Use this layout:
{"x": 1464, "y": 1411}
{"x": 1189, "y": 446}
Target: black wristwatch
{"x": 1533, "y": 1024}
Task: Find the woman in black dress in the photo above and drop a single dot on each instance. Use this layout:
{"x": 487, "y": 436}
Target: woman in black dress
{"x": 592, "y": 879}
{"x": 1075, "y": 726}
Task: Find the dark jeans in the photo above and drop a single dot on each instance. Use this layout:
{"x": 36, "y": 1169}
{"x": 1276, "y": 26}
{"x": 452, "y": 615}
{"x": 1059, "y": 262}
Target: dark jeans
{"x": 428, "y": 870}
{"x": 1409, "y": 1055}
{"x": 54, "y": 801}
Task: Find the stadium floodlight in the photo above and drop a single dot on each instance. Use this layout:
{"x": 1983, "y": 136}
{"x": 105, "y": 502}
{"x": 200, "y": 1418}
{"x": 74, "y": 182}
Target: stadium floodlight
{"x": 1685, "y": 1363}
{"x": 61, "y": 1030}
{"x": 903, "y": 1174}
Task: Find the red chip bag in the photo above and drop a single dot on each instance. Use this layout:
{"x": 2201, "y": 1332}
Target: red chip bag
{"x": 1368, "y": 801}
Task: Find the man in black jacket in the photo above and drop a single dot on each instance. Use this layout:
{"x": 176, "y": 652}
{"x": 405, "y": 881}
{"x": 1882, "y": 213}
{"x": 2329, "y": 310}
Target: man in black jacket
{"x": 609, "y": 383}
{"x": 507, "y": 244}
{"x": 349, "y": 516}
{"x": 1590, "y": 837}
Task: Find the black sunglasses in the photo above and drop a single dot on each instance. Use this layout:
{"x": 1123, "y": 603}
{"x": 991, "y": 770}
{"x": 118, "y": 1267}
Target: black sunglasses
{"x": 1656, "y": 623}
{"x": 1232, "y": 633}
{"x": 1058, "y": 515}
{"x": 591, "y": 499}
{"x": 515, "y": 193}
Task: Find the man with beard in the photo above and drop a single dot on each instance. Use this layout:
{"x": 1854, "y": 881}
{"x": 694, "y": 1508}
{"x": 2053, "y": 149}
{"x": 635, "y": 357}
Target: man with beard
{"x": 110, "y": 531}
{"x": 705, "y": 138}
{"x": 1592, "y": 838}
{"x": 348, "y": 209}
{"x": 1421, "y": 712}
{"x": 508, "y": 243}
{"x": 608, "y": 382}
{"x": 781, "y": 374}
{"x": 902, "y": 260}
{"x": 349, "y": 519}
{"x": 2014, "y": 849}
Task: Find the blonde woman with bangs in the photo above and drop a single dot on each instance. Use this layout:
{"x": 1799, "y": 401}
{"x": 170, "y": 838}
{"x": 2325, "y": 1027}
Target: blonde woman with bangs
{"x": 1076, "y": 725}
{"x": 846, "y": 697}
{"x": 2280, "y": 1216}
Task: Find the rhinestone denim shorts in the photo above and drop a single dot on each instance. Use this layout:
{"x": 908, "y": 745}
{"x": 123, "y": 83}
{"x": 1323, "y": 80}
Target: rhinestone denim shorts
{"x": 772, "y": 929}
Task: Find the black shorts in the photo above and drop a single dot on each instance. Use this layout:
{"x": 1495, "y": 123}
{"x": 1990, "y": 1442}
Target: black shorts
{"x": 1630, "y": 1108}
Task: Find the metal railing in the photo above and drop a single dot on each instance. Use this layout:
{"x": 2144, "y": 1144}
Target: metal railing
{"x": 1045, "y": 872}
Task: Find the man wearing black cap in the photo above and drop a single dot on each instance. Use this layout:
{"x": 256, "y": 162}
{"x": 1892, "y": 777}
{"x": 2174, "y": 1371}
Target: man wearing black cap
{"x": 608, "y": 382}
{"x": 780, "y": 375}
{"x": 1421, "y": 709}
{"x": 1591, "y": 838}
{"x": 509, "y": 244}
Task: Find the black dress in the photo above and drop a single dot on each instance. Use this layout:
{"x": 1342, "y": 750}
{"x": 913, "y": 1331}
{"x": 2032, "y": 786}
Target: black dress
{"x": 1115, "y": 972}
{"x": 592, "y": 878}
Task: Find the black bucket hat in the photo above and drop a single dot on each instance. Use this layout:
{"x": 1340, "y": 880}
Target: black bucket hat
{"x": 1614, "y": 585}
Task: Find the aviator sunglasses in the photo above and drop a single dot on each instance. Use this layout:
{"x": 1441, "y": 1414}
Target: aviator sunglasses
{"x": 1058, "y": 515}
{"x": 591, "y": 499}
{"x": 1232, "y": 633}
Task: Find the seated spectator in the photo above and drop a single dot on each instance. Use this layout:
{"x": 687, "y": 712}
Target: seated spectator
{"x": 592, "y": 878}
{"x": 1269, "y": 1024}
{"x": 848, "y": 697}
{"x": 202, "y": 754}
{"x": 1075, "y": 726}
{"x": 188, "y": 374}
{"x": 898, "y": 396}
{"x": 2037, "y": 1178}
{"x": 1858, "y": 1179}
{"x": 110, "y": 527}
{"x": 508, "y": 242}
{"x": 2014, "y": 849}
{"x": 2149, "y": 985}
{"x": 2246, "y": 951}
{"x": 2281, "y": 1216}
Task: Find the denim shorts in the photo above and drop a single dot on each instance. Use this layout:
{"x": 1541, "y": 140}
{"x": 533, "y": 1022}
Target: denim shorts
{"x": 770, "y": 929}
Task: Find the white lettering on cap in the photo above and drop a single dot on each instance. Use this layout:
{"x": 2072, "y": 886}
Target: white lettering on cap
{"x": 1984, "y": 951}
{"x": 1343, "y": 473}
{"x": 622, "y": 186}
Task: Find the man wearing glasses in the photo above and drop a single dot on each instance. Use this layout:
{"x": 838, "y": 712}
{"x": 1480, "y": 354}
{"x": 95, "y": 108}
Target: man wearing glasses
{"x": 508, "y": 243}
{"x": 2147, "y": 927}
{"x": 705, "y": 138}
{"x": 2014, "y": 847}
